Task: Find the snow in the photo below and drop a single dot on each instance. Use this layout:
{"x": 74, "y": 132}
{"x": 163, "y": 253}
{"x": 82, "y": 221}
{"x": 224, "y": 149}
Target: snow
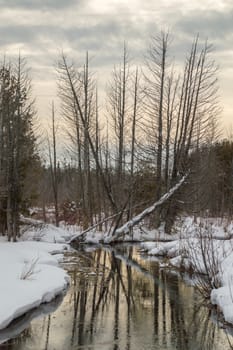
{"x": 206, "y": 247}
{"x": 223, "y": 296}
{"x": 19, "y": 325}
{"x": 30, "y": 274}
{"x": 184, "y": 250}
{"x": 35, "y": 230}
{"x": 42, "y": 245}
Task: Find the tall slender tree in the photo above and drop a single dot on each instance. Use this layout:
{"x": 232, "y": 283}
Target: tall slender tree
{"x": 54, "y": 165}
{"x": 18, "y": 150}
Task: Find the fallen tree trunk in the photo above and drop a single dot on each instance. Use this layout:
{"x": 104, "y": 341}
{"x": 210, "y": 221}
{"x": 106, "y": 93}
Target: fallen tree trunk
{"x": 82, "y": 234}
{"x": 124, "y": 229}
{"x": 121, "y": 231}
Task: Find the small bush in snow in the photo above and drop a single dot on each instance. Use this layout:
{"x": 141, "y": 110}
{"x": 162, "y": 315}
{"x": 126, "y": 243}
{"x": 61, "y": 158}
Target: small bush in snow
{"x": 205, "y": 259}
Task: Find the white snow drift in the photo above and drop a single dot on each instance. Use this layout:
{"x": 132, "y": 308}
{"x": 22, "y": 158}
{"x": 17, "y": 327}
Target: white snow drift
{"x": 30, "y": 276}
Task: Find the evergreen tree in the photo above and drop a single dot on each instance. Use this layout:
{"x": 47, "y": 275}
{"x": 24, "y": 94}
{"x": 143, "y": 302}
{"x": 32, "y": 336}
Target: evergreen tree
{"x": 17, "y": 150}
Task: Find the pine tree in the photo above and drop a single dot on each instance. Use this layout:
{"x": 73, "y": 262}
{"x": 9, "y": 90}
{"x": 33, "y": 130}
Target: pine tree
{"x": 17, "y": 150}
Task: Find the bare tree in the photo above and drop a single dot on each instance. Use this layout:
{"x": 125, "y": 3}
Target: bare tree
{"x": 118, "y": 108}
{"x": 155, "y": 92}
{"x": 180, "y": 110}
{"x": 53, "y": 165}
{"x": 197, "y": 113}
{"x": 133, "y": 140}
{"x": 78, "y": 91}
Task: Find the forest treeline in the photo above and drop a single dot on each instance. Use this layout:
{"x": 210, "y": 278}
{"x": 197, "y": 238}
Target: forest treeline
{"x": 159, "y": 122}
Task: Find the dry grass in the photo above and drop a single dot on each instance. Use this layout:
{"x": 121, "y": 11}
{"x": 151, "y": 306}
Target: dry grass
{"x": 29, "y": 269}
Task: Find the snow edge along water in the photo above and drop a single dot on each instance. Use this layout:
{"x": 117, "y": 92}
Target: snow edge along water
{"x": 30, "y": 275}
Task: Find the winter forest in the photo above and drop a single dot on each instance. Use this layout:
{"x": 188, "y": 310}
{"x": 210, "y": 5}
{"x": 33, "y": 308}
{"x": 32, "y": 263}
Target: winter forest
{"x": 159, "y": 123}
{"x": 146, "y": 161}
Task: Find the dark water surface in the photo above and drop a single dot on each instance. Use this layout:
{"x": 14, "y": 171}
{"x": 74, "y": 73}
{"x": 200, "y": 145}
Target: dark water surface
{"x": 119, "y": 300}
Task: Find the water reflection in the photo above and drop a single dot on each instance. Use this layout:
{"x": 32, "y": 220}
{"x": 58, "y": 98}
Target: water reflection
{"x": 21, "y": 326}
{"x": 118, "y": 301}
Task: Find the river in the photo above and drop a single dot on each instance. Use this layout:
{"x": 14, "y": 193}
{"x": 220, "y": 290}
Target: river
{"x": 120, "y": 300}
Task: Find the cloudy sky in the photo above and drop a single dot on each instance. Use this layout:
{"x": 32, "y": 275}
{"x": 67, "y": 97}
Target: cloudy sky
{"x": 41, "y": 28}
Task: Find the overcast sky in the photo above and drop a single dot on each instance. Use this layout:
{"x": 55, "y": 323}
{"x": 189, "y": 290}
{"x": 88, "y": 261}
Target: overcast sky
{"x": 41, "y": 28}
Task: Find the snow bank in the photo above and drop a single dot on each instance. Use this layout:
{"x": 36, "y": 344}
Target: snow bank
{"x": 23, "y": 322}
{"x": 34, "y": 230}
{"x": 139, "y": 234}
{"x": 30, "y": 276}
{"x": 182, "y": 250}
{"x": 206, "y": 247}
{"x": 223, "y": 296}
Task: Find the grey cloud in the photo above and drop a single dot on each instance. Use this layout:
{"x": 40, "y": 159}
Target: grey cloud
{"x": 213, "y": 24}
{"x": 109, "y": 35}
{"x": 9, "y": 35}
{"x": 39, "y": 4}
{"x": 103, "y": 36}
{"x": 24, "y": 34}
{"x": 216, "y": 26}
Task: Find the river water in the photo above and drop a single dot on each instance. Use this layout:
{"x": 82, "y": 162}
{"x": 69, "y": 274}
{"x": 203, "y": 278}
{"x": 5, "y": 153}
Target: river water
{"x": 119, "y": 300}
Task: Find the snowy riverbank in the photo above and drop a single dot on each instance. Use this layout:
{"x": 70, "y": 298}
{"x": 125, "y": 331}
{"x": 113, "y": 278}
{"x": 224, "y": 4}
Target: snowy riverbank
{"x": 30, "y": 273}
{"x": 205, "y": 247}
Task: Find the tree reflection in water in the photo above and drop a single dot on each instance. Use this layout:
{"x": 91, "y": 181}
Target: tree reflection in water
{"x": 119, "y": 301}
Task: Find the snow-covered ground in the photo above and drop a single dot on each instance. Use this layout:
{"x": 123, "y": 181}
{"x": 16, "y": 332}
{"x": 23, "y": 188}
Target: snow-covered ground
{"x": 29, "y": 271}
{"x": 35, "y": 230}
{"x": 206, "y": 247}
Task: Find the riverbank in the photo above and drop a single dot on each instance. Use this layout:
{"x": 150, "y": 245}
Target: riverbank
{"x": 30, "y": 273}
{"x": 204, "y": 247}
{"x": 119, "y": 298}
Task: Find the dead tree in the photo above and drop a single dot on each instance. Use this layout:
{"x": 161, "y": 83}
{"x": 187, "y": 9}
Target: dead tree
{"x": 118, "y": 108}
{"x": 196, "y": 114}
{"x": 133, "y": 140}
{"x": 155, "y": 93}
{"x": 70, "y": 88}
{"x": 53, "y": 165}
